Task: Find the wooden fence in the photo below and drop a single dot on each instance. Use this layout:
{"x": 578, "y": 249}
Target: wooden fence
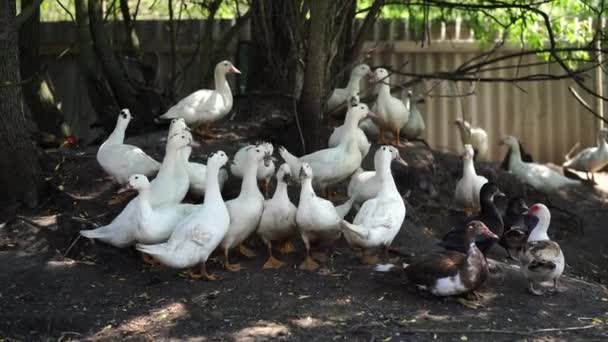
{"x": 544, "y": 115}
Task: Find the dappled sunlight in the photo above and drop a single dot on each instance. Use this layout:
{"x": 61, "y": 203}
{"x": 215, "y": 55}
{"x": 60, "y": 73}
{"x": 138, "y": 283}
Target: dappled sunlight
{"x": 262, "y": 330}
{"x": 165, "y": 317}
{"x": 310, "y": 322}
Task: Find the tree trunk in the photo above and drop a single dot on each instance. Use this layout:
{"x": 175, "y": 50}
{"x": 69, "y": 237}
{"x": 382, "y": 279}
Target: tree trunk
{"x": 38, "y": 92}
{"x": 327, "y": 23}
{"x": 99, "y": 91}
{"x": 20, "y": 172}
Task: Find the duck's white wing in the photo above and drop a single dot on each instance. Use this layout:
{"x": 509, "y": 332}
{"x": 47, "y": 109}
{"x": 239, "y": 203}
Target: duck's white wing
{"x": 580, "y": 160}
{"x": 212, "y": 106}
{"x": 187, "y": 107}
{"x": 337, "y": 98}
{"x": 126, "y": 160}
{"x": 380, "y": 212}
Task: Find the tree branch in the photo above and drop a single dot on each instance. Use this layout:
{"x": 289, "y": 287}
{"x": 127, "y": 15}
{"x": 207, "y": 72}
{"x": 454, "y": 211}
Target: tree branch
{"x": 24, "y": 15}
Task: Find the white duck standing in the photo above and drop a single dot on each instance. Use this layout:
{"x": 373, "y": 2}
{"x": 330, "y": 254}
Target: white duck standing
{"x": 391, "y": 111}
{"x": 341, "y": 95}
{"x": 246, "y": 209}
{"x": 333, "y": 165}
{"x": 169, "y": 187}
{"x": 364, "y": 185}
{"x": 591, "y": 159}
{"x": 318, "y": 219}
{"x": 541, "y": 259}
{"x": 120, "y": 160}
{"x": 380, "y": 218}
{"x": 278, "y": 220}
{"x": 475, "y": 136}
{"x": 264, "y": 173}
{"x": 205, "y": 106}
{"x": 340, "y": 132}
{"x": 155, "y": 225}
{"x": 415, "y": 126}
{"x": 196, "y": 236}
{"x": 538, "y": 176}
{"x": 469, "y": 186}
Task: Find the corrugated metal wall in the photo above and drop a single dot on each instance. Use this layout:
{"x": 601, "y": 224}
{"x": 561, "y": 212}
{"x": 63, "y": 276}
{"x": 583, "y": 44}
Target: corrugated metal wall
{"x": 544, "y": 115}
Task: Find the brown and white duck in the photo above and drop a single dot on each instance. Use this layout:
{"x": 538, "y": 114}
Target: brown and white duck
{"x": 541, "y": 259}
{"x": 450, "y": 273}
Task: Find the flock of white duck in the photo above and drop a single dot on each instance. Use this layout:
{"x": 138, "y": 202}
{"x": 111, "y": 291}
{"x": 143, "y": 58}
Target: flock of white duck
{"x": 183, "y": 236}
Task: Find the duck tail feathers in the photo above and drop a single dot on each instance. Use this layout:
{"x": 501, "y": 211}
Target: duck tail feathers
{"x": 344, "y": 208}
{"x": 390, "y": 267}
{"x": 360, "y": 231}
{"x": 290, "y": 159}
{"x": 98, "y": 233}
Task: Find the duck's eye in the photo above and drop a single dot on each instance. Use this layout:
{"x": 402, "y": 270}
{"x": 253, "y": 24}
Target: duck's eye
{"x": 257, "y": 150}
{"x": 225, "y": 63}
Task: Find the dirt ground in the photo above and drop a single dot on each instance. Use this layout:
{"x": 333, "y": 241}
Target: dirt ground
{"x": 52, "y": 288}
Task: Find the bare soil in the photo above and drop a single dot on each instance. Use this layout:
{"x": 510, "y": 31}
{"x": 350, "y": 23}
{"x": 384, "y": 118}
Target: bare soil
{"x": 51, "y": 289}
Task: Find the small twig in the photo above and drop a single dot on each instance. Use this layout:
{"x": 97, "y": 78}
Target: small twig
{"x": 66, "y": 10}
{"x": 84, "y": 220}
{"x": 585, "y": 104}
{"x": 71, "y": 245}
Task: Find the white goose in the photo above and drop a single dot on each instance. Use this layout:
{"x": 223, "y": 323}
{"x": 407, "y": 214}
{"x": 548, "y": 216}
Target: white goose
{"x": 200, "y": 233}
{"x": 169, "y": 187}
{"x": 475, "y": 136}
{"x": 540, "y": 177}
{"x": 339, "y": 133}
{"x": 120, "y": 160}
{"x": 333, "y": 165}
{"x": 541, "y": 259}
{"x": 205, "y": 106}
{"x": 392, "y": 112}
{"x": 264, "y": 173}
{"x": 469, "y": 186}
{"x": 318, "y": 219}
{"x": 246, "y": 209}
{"x": 340, "y": 95}
{"x": 278, "y": 220}
{"x": 380, "y": 218}
{"x": 591, "y": 159}
{"x": 155, "y": 225}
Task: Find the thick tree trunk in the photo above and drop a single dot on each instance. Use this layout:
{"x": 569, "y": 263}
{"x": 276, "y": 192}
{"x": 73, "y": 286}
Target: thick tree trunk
{"x": 20, "y": 173}
{"x": 38, "y": 92}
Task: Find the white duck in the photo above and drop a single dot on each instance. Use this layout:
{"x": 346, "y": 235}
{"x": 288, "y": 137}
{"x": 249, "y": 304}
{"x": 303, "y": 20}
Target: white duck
{"x": 540, "y": 177}
{"x": 120, "y": 160}
{"x": 318, "y": 219}
{"x": 169, "y": 187}
{"x": 591, "y": 159}
{"x": 475, "y": 136}
{"x": 278, "y": 220}
{"x": 199, "y": 234}
{"x": 205, "y": 106}
{"x": 392, "y": 112}
{"x": 264, "y": 173}
{"x": 333, "y": 165}
{"x": 340, "y": 95}
{"x": 469, "y": 186}
{"x": 364, "y": 185}
{"x": 380, "y": 218}
{"x": 155, "y": 225}
{"x": 415, "y": 126}
{"x": 541, "y": 259}
{"x": 340, "y": 132}
{"x": 246, "y": 209}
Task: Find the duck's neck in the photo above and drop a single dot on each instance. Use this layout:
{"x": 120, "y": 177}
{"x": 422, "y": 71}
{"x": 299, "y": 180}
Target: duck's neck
{"x": 384, "y": 89}
{"x": 353, "y": 86}
{"x": 514, "y": 155}
{"x": 464, "y": 134}
{"x": 172, "y": 157}
{"x": 145, "y": 208}
{"x": 117, "y": 136}
{"x": 602, "y": 144}
{"x": 351, "y": 124}
{"x": 280, "y": 193}
{"x": 307, "y": 190}
{"x": 222, "y": 86}
{"x": 249, "y": 186}
{"x": 468, "y": 168}
{"x": 386, "y": 177}
{"x": 212, "y": 186}
{"x": 489, "y": 210}
{"x": 539, "y": 233}
{"x": 185, "y": 153}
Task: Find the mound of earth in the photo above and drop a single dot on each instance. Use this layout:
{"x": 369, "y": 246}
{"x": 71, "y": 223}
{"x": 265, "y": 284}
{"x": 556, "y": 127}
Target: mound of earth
{"x": 59, "y": 287}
